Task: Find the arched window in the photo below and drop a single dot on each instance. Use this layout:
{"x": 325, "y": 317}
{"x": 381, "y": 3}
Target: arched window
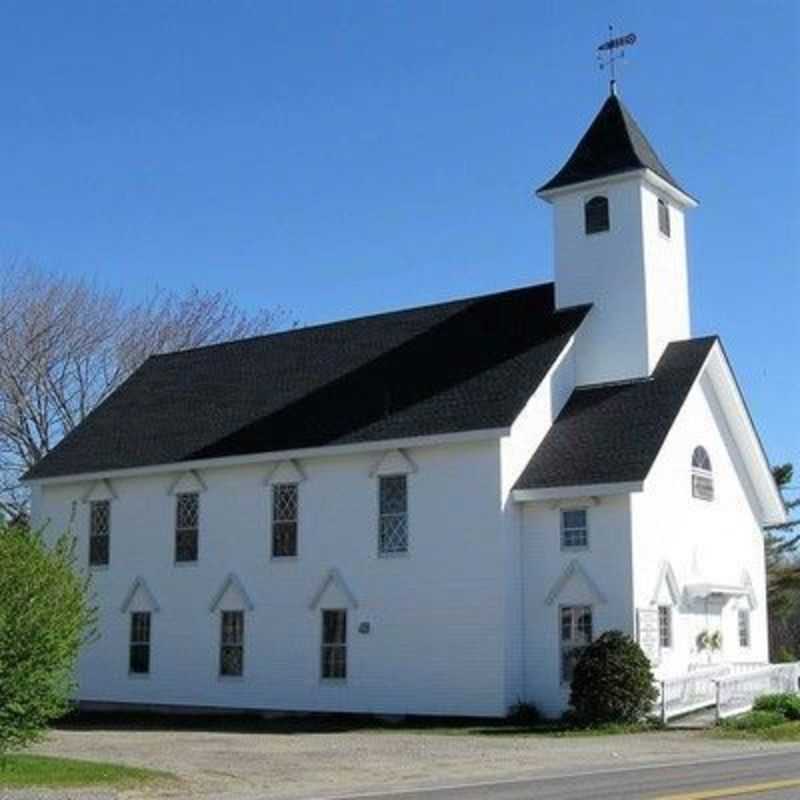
{"x": 663, "y": 217}
{"x": 702, "y": 477}
{"x": 596, "y": 214}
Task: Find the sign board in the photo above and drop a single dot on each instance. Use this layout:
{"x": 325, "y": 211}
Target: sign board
{"x": 647, "y": 633}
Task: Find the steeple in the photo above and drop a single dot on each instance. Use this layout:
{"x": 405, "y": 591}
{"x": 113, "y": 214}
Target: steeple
{"x": 620, "y": 245}
{"x": 613, "y": 144}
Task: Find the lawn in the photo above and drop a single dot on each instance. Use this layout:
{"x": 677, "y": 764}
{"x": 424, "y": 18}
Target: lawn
{"x": 20, "y": 770}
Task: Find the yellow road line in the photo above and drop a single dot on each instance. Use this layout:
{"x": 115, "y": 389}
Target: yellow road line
{"x": 732, "y": 791}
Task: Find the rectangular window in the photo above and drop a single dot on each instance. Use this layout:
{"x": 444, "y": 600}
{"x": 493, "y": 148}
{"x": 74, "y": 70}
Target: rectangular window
{"x": 663, "y": 218}
{"x": 231, "y": 657}
{"x": 744, "y": 628}
{"x": 393, "y": 521}
{"x": 576, "y": 634}
{"x": 187, "y": 515}
{"x": 99, "y": 532}
{"x": 334, "y": 644}
{"x": 574, "y": 529}
{"x": 702, "y": 486}
{"x": 665, "y": 626}
{"x": 139, "y": 660}
{"x": 284, "y": 520}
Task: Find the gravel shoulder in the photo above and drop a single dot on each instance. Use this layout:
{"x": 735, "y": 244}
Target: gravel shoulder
{"x": 245, "y": 765}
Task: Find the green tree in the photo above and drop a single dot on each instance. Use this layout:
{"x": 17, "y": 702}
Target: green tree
{"x": 613, "y": 681}
{"x": 45, "y": 616}
{"x": 781, "y": 543}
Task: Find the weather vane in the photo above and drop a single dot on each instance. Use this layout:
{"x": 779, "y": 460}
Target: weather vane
{"x": 612, "y": 51}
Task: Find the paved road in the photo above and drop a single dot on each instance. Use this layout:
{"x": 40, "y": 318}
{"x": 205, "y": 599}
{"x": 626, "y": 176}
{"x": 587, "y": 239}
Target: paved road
{"x": 684, "y": 781}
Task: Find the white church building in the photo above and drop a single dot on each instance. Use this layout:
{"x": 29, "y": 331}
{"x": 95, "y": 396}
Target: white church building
{"x": 432, "y": 511}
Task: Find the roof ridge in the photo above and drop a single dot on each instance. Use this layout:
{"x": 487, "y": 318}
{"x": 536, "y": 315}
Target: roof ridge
{"x": 375, "y": 316}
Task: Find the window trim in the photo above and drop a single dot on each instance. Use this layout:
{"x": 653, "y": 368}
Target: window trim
{"x": 93, "y": 504}
{"x": 561, "y": 609}
{"x": 148, "y": 643}
{"x": 394, "y": 553}
{"x": 665, "y": 613}
{"x": 183, "y": 562}
{"x": 572, "y": 548}
{"x": 343, "y": 646}
{"x": 275, "y": 488}
{"x": 606, "y": 205}
{"x": 223, "y": 644}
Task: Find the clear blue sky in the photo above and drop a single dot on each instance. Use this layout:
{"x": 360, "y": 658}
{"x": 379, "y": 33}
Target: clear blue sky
{"x": 342, "y": 158}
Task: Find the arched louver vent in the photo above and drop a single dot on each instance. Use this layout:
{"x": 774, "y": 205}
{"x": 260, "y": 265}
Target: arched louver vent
{"x": 596, "y": 215}
{"x": 663, "y": 218}
{"x": 702, "y": 477}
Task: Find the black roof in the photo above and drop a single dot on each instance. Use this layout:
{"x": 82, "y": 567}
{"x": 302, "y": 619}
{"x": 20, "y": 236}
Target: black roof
{"x": 613, "y": 144}
{"x": 464, "y": 365}
{"x": 611, "y": 433}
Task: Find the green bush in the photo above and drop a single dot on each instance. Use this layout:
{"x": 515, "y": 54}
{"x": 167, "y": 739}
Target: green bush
{"x": 44, "y": 618}
{"x": 755, "y": 721}
{"x": 787, "y": 705}
{"x": 613, "y": 681}
{"x": 785, "y": 656}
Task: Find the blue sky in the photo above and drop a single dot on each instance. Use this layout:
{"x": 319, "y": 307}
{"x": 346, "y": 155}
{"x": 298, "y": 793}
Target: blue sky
{"x": 342, "y": 158}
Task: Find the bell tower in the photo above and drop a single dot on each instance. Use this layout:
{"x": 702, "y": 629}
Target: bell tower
{"x": 620, "y": 244}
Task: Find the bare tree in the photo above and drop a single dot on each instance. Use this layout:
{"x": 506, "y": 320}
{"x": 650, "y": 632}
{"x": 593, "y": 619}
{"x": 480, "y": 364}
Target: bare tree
{"x": 66, "y": 343}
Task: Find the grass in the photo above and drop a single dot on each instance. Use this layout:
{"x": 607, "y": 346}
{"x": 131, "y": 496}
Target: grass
{"x": 22, "y": 770}
{"x": 762, "y": 725}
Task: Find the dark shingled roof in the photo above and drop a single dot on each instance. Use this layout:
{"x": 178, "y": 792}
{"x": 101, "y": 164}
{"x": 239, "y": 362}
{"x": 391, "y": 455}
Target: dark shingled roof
{"x": 613, "y": 144}
{"x": 611, "y": 433}
{"x": 464, "y": 365}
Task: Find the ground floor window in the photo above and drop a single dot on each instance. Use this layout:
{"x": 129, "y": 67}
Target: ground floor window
{"x": 744, "y": 628}
{"x": 139, "y": 657}
{"x": 665, "y": 626}
{"x": 231, "y": 657}
{"x": 334, "y": 643}
{"x": 576, "y": 634}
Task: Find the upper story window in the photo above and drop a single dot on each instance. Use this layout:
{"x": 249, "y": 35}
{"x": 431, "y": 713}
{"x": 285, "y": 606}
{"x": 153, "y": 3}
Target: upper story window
{"x": 665, "y": 626}
{"x": 663, "y": 217}
{"x": 231, "y": 650}
{"x": 596, "y": 214}
{"x": 576, "y": 635}
{"x": 284, "y": 520}
{"x": 139, "y": 659}
{"x": 702, "y": 477}
{"x": 187, "y": 516}
{"x": 99, "y": 532}
{"x": 574, "y": 529}
{"x": 393, "y": 515}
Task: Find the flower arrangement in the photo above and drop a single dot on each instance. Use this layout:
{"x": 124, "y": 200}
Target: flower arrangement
{"x": 709, "y": 640}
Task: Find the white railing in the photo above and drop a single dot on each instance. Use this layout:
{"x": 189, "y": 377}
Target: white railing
{"x": 737, "y": 693}
{"x": 729, "y": 688}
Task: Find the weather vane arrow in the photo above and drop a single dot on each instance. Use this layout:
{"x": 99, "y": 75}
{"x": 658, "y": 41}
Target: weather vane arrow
{"x": 612, "y": 51}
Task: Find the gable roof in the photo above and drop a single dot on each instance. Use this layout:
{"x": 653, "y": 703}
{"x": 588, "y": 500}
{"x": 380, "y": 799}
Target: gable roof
{"x": 464, "y": 365}
{"x": 612, "y": 433}
{"x": 613, "y": 144}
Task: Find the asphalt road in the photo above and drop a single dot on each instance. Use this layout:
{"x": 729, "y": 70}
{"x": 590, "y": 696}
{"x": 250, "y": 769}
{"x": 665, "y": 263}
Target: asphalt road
{"x": 766, "y": 774}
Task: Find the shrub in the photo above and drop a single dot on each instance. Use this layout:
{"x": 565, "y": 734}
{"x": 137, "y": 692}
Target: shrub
{"x": 44, "y": 618}
{"x": 613, "y": 681}
{"x": 787, "y": 705}
{"x": 755, "y": 721}
{"x": 785, "y": 656}
{"x": 524, "y": 714}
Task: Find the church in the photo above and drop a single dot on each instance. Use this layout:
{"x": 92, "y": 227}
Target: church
{"x": 434, "y": 510}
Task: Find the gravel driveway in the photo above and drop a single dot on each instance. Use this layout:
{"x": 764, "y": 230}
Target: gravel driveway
{"x": 214, "y": 762}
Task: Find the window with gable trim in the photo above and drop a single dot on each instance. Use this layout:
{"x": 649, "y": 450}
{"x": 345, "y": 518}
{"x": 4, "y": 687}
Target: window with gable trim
{"x": 99, "y": 533}
{"x": 231, "y": 655}
{"x": 665, "y": 626}
{"x": 187, "y": 519}
{"x": 702, "y": 476}
{"x": 393, "y": 515}
{"x": 139, "y": 659}
{"x": 334, "y": 644}
{"x": 574, "y": 529}
{"x": 284, "y": 520}
{"x": 596, "y": 215}
{"x": 663, "y": 218}
{"x": 576, "y": 636}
